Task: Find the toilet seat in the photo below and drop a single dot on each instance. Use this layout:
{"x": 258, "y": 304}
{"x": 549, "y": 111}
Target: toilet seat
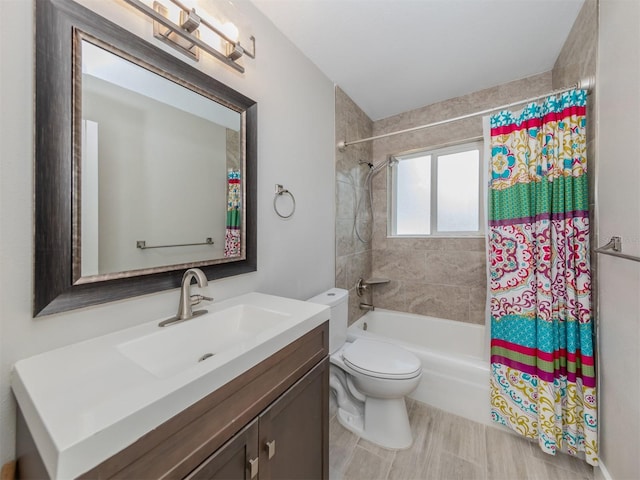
{"x": 381, "y": 360}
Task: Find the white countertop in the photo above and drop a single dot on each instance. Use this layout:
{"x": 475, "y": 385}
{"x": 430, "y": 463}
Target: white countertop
{"x": 87, "y": 401}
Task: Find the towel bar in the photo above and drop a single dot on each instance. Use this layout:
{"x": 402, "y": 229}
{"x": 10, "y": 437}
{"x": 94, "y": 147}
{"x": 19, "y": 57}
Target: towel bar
{"x": 142, "y": 244}
{"x": 614, "y": 248}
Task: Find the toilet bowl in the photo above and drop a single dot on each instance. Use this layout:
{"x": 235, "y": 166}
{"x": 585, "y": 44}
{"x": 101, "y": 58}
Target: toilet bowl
{"x": 376, "y": 376}
{"x": 369, "y": 379}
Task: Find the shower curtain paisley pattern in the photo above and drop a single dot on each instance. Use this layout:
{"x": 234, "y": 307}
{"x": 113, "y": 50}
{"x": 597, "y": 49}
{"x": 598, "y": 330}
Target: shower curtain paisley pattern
{"x": 542, "y": 360}
{"x": 232, "y": 243}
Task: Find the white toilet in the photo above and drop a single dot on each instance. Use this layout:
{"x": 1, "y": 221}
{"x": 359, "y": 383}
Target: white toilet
{"x": 370, "y": 379}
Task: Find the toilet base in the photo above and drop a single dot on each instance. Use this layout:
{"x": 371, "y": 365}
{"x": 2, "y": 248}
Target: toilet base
{"x": 384, "y": 422}
{"x": 351, "y": 421}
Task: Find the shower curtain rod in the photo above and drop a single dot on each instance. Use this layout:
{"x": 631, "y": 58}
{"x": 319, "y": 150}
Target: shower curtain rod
{"x": 581, "y": 85}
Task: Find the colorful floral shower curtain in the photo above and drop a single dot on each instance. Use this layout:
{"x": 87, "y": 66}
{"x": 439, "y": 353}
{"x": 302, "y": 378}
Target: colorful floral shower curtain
{"x": 232, "y": 243}
{"x": 542, "y": 359}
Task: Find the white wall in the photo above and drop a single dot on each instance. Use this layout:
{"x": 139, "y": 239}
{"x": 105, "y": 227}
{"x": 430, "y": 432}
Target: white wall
{"x": 618, "y": 210}
{"x": 295, "y": 148}
{"x": 142, "y": 172}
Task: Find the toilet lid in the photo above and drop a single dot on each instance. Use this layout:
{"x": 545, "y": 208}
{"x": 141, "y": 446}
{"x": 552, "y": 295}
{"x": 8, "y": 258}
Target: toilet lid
{"x": 381, "y": 359}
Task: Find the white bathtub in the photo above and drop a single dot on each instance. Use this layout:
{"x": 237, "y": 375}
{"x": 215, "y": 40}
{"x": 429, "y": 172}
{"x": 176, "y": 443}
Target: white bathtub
{"x": 455, "y": 374}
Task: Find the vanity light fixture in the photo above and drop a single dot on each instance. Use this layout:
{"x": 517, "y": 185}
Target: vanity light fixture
{"x": 185, "y": 35}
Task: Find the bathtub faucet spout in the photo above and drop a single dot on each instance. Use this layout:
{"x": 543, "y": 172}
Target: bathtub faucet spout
{"x": 367, "y": 306}
{"x": 363, "y": 285}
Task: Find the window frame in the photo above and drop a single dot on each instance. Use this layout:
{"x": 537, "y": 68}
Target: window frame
{"x": 435, "y": 152}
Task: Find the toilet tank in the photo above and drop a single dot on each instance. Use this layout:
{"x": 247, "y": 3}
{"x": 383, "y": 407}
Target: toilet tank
{"x": 338, "y": 300}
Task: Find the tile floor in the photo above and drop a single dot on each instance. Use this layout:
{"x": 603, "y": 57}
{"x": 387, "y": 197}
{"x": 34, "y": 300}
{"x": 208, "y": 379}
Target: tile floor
{"x": 448, "y": 447}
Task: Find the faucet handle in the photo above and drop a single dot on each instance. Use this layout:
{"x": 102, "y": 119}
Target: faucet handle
{"x": 196, "y": 299}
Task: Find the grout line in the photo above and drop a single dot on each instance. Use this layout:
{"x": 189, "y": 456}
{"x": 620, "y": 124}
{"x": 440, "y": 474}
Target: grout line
{"x": 348, "y": 460}
{"x": 386, "y": 476}
{"x": 364, "y": 447}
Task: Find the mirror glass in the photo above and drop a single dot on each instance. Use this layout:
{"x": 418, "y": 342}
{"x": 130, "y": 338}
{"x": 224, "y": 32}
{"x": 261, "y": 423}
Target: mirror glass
{"x": 161, "y": 171}
{"x": 133, "y": 148}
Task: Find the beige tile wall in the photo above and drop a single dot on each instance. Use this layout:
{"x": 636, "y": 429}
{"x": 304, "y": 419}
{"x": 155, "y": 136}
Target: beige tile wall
{"x": 577, "y": 59}
{"x": 353, "y": 257}
{"x": 442, "y": 277}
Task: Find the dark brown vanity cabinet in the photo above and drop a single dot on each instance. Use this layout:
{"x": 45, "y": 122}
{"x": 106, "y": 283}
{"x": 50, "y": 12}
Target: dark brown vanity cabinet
{"x": 271, "y": 422}
{"x": 237, "y": 460}
{"x": 287, "y": 441}
{"x": 293, "y": 432}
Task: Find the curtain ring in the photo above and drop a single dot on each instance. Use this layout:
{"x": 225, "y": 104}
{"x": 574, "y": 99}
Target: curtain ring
{"x": 280, "y": 190}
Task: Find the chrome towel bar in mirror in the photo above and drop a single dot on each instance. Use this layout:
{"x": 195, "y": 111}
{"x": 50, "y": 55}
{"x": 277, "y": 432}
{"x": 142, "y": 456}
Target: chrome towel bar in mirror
{"x": 142, "y": 244}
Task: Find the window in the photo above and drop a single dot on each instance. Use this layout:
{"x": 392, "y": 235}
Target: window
{"x": 437, "y": 192}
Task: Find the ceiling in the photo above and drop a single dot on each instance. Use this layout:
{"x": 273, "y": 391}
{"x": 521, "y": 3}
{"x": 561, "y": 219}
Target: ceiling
{"x": 391, "y": 56}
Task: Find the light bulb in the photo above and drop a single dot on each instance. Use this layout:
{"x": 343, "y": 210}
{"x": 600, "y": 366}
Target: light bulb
{"x": 231, "y": 31}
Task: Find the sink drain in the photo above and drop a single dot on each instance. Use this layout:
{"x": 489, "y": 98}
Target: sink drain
{"x": 205, "y": 356}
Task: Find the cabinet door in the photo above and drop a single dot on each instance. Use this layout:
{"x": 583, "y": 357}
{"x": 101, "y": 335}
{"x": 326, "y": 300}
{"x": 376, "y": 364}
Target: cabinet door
{"x": 294, "y": 430}
{"x": 235, "y": 460}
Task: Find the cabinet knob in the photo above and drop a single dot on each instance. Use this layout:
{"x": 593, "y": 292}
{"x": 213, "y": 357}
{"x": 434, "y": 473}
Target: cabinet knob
{"x": 253, "y": 468}
{"x": 271, "y": 448}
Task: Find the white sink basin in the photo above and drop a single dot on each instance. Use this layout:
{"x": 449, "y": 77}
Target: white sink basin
{"x": 87, "y": 401}
{"x": 184, "y": 345}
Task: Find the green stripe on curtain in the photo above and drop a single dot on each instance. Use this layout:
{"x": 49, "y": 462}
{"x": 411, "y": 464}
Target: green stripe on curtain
{"x": 566, "y": 194}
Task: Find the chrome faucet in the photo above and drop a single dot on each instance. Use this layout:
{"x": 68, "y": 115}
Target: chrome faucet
{"x": 367, "y": 306}
{"x": 187, "y": 300}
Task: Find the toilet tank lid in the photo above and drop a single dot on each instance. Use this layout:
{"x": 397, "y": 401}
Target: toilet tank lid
{"x": 331, "y": 297}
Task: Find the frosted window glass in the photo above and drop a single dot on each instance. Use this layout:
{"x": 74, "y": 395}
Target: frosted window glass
{"x": 413, "y": 196}
{"x": 458, "y": 192}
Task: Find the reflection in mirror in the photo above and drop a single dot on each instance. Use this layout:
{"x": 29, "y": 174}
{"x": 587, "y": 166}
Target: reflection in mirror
{"x": 160, "y": 165}
{"x": 133, "y": 148}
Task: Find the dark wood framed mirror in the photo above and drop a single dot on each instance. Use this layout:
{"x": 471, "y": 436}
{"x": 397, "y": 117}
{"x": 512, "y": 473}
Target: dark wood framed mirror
{"x": 73, "y": 269}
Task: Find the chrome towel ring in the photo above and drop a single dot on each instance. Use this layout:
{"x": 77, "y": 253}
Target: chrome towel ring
{"x": 280, "y": 190}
